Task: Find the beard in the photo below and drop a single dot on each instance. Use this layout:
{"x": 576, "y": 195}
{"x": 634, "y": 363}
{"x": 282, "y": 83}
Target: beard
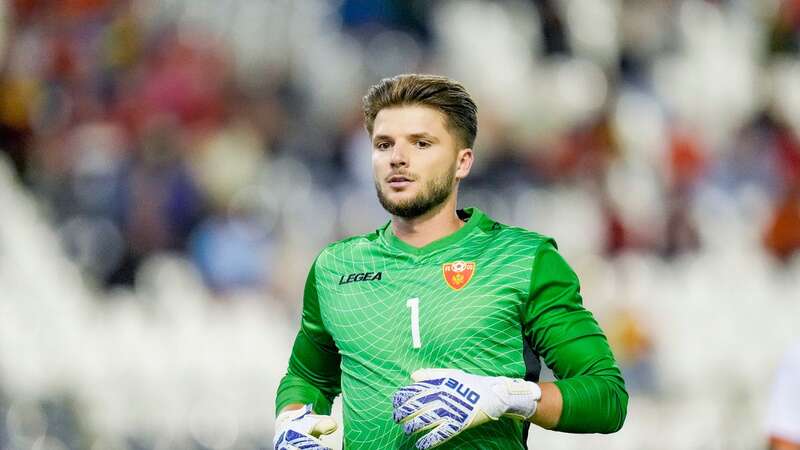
{"x": 433, "y": 194}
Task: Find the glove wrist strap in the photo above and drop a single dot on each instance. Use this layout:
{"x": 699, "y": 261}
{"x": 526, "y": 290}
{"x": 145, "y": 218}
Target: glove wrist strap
{"x": 522, "y": 398}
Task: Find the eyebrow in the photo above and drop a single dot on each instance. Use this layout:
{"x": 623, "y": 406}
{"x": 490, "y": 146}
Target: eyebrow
{"x": 412, "y": 136}
{"x": 427, "y": 136}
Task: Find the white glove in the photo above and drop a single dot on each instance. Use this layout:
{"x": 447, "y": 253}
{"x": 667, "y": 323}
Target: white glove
{"x": 449, "y": 401}
{"x": 300, "y": 429}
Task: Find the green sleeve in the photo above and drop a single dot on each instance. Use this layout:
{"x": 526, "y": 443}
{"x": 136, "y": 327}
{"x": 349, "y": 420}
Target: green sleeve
{"x": 571, "y": 342}
{"x": 314, "y": 373}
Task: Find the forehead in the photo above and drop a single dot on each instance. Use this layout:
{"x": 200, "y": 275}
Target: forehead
{"x": 409, "y": 119}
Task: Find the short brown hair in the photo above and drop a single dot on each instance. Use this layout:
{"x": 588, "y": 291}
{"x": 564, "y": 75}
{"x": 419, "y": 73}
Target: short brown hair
{"x": 438, "y": 92}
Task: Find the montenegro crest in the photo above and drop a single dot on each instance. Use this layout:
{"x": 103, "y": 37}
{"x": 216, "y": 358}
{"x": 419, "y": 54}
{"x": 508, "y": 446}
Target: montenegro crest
{"x": 457, "y": 274}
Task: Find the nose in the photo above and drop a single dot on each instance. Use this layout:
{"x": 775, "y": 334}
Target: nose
{"x": 399, "y": 156}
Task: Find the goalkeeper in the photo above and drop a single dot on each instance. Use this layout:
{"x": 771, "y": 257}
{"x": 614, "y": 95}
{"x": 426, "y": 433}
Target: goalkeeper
{"x": 432, "y": 326}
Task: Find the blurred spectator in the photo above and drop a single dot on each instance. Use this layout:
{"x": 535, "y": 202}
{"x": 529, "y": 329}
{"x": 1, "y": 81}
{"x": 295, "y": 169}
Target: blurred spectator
{"x": 751, "y": 160}
{"x": 618, "y": 237}
{"x": 553, "y": 29}
{"x": 685, "y": 168}
{"x": 586, "y": 152}
{"x": 233, "y": 253}
{"x": 371, "y": 16}
{"x": 680, "y": 231}
{"x": 787, "y": 149}
{"x": 157, "y": 203}
{"x": 633, "y": 348}
{"x": 784, "y": 35}
{"x": 686, "y": 159}
{"x": 782, "y": 236}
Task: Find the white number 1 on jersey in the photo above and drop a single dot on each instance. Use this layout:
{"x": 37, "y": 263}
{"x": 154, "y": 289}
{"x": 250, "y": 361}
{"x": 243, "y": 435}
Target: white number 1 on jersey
{"x": 413, "y": 303}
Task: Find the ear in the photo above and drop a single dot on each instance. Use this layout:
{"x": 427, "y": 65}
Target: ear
{"x": 463, "y": 163}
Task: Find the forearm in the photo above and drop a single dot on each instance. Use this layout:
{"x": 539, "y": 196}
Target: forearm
{"x": 605, "y": 405}
{"x": 548, "y": 411}
{"x": 290, "y": 407}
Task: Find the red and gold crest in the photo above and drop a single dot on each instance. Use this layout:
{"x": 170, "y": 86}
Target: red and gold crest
{"x": 457, "y": 274}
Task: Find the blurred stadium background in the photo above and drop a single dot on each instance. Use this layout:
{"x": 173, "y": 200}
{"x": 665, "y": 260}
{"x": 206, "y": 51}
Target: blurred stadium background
{"x": 169, "y": 169}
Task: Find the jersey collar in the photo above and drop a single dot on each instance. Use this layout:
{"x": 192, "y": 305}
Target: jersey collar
{"x": 474, "y": 217}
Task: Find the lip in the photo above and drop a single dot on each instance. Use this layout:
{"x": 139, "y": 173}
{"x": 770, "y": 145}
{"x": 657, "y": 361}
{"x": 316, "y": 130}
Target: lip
{"x": 399, "y": 181}
{"x": 400, "y": 184}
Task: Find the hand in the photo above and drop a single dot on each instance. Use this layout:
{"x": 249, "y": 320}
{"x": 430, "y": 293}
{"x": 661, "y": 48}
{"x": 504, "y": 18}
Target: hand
{"x": 300, "y": 429}
{"x": 449, "y": 401}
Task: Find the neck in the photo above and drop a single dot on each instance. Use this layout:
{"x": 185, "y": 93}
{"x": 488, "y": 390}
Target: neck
{"x": 435, "y": 224}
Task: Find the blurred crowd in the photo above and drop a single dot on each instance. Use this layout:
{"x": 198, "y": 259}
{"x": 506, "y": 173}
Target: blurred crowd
{"x": 152, "y": 126}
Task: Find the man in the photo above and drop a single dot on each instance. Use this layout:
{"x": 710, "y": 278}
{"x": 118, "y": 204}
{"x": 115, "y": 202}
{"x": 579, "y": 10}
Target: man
{"x": 783, "y": 414}
{"x": 431, "y": 325}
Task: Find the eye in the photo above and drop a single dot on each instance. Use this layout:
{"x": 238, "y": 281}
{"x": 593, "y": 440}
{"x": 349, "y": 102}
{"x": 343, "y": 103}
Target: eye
{"x": 383, "y": 145}
{"x": 423, "y": 144}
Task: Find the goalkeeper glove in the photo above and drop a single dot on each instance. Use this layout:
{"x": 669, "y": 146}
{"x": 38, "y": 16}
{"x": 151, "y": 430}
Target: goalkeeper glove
{"x": 449, "y": 401}
{"x": 300, "y": 429}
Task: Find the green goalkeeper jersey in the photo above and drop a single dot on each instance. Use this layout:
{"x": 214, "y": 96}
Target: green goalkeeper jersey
{"x": 488, "y": 299}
